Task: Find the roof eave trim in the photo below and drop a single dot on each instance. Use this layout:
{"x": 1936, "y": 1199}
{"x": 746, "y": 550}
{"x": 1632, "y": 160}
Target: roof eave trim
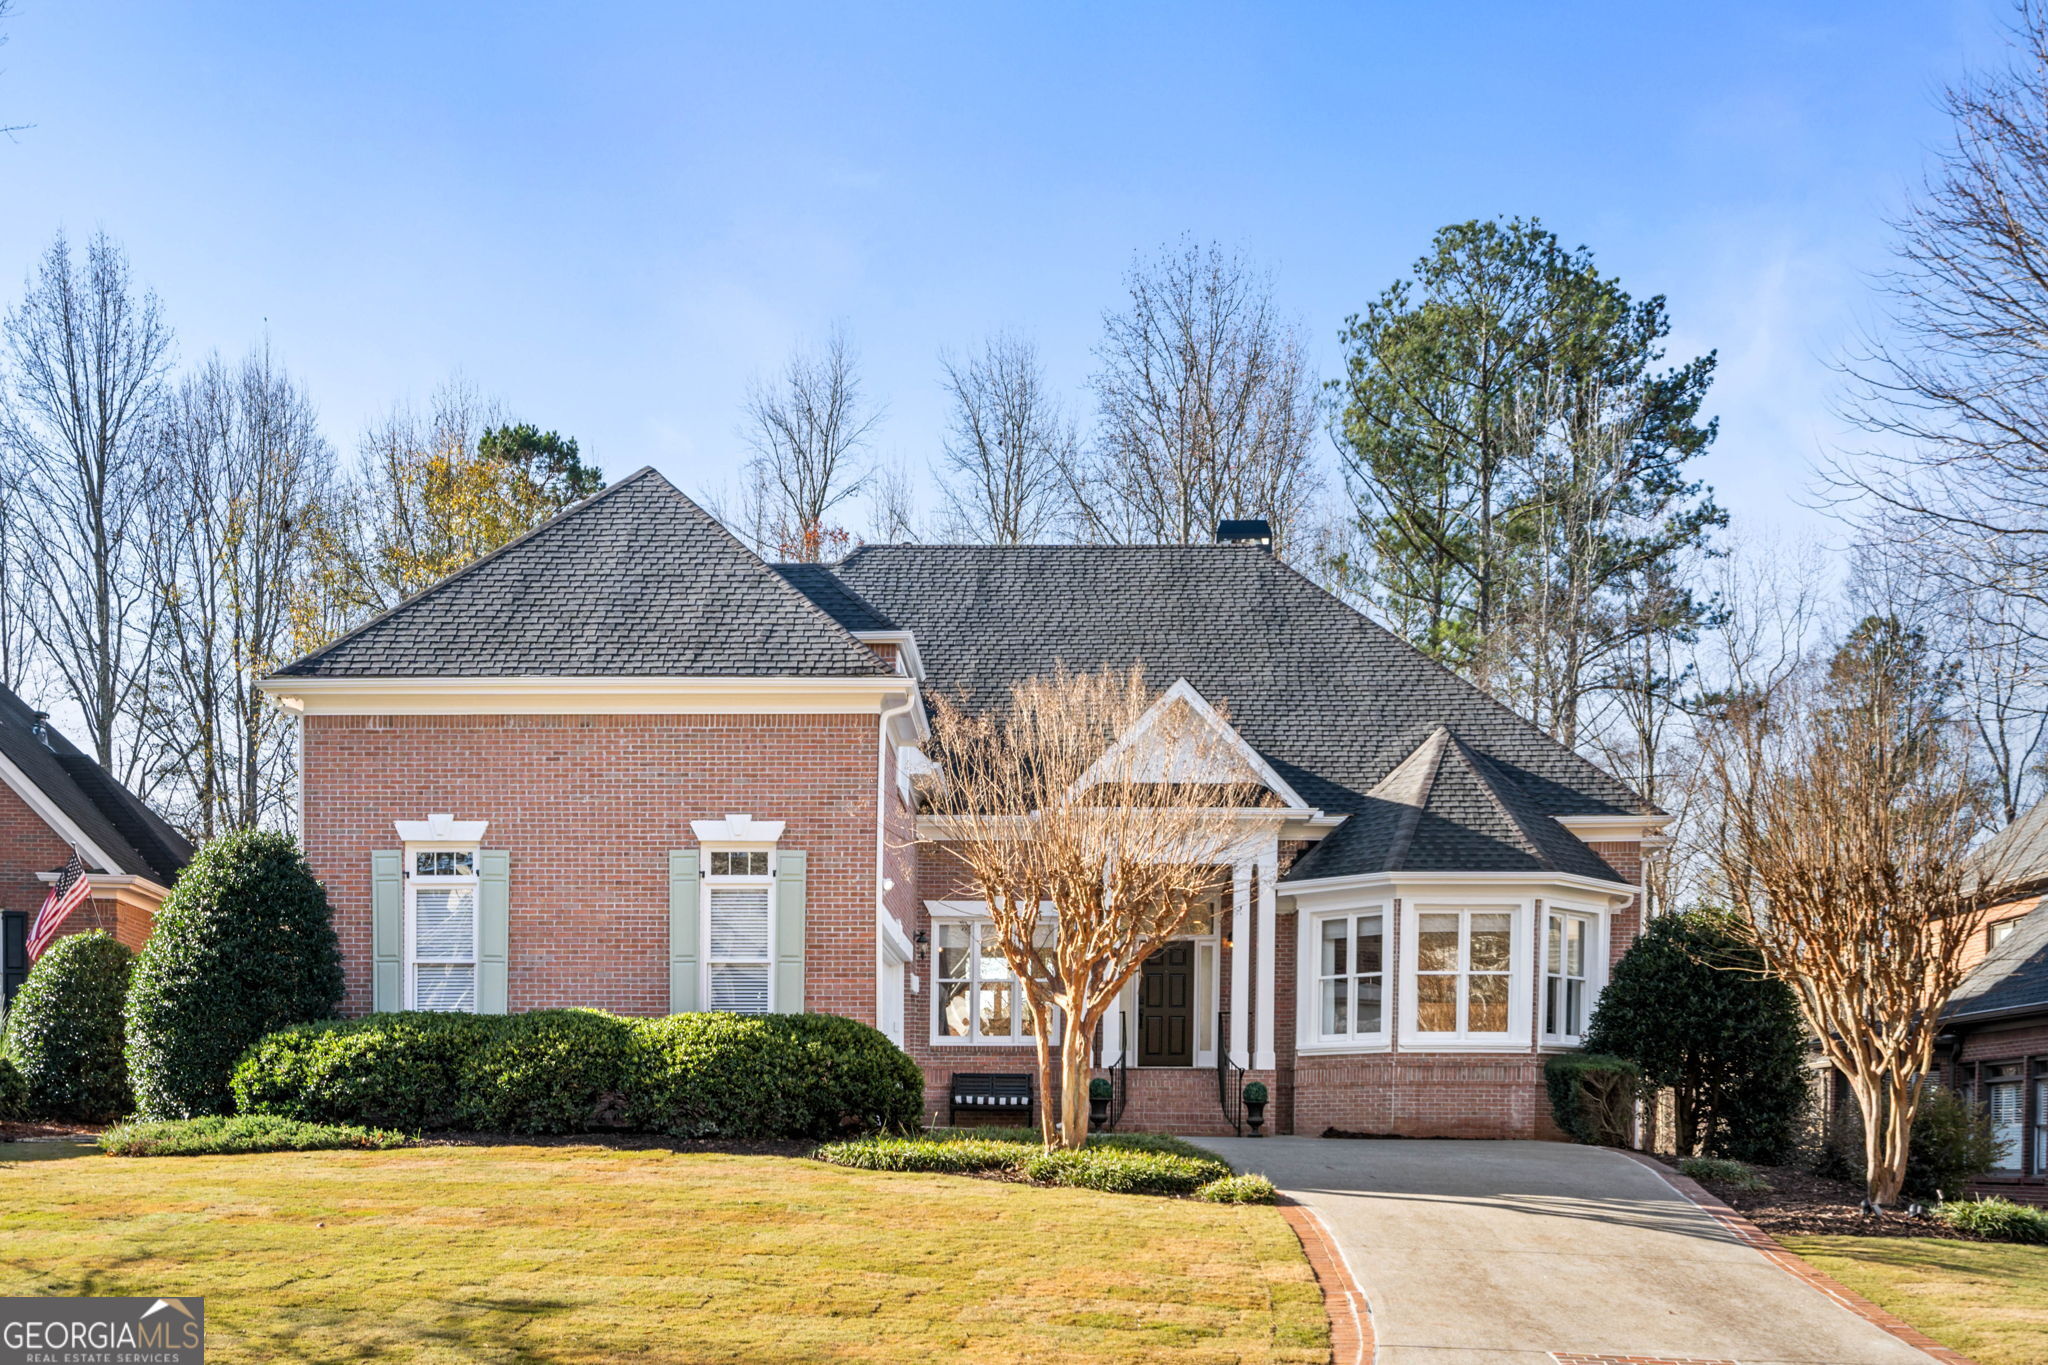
{"x": 904, "y": 640}
{"x": 1620, "y": 892}
{"x": 548, "y": 694}
{"x": 1614, "y": 827}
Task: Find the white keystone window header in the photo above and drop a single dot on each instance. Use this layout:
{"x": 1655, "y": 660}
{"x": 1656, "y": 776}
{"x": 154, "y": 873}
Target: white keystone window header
{"x": 737, "y": 829}
{"x": 441, "y": 828}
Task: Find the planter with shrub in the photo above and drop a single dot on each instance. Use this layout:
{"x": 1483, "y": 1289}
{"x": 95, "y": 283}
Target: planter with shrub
{"x": 1100, "y": 1093}
{"x": 243, "y": 945}
{"x": 1255, "y": 1097}
{"x": 1593, "y": 1097}
{"x": 568, "y": 1071}
{"x": 65, "y": 1034}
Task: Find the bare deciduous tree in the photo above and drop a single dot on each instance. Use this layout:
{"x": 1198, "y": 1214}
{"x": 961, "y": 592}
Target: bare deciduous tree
{"x": 807, "y": 427}
{"x": 1956, "y": 390}
{"x": 1007, "y": 445}
{"x": 86, "y": 355}
{"x": 1092, "y": 819}
{"x": 1847, "y": 825}
{"x": 242, "y": 472}
{"x": 1207, "y": 407}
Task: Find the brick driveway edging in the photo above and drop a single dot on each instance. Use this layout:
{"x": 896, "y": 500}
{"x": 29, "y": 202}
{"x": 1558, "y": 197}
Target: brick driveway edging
{"x": 1779, "y": 1255}
{"x": 1351, "y": 1338}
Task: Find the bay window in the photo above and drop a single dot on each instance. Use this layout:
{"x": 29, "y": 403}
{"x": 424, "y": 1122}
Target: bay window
{"x": 1566, "y": 992}
{"x": 1464, "y": 960}
{"x": 1351, "y": 975}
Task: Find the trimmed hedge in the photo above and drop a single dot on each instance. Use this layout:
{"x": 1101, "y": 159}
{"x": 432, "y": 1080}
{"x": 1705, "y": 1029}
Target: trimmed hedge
{"x": 2000, "y": 1219}
{"x": 218, "y": 1135}
{"x": 243, "y": 944}
{"x": 1124, "y": 1172}
{"x": 946, "y": 1156}
{"x": 1593, "y": 1097}
{"x": 567, "y": 1071}
{"x": 65, "y": 1033}
{"x": 1239, "y": 1189}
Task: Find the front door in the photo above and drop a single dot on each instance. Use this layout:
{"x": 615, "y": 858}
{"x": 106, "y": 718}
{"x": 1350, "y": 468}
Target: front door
{"x": 1166, "y": 1007}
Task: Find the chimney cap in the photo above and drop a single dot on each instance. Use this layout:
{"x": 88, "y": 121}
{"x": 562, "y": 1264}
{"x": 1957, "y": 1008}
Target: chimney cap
{"x": 1249, "y": 532}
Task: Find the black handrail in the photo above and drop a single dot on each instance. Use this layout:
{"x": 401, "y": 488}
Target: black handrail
{"x": 1229, "y": 1097}
{"x": 1119, "y": 1075}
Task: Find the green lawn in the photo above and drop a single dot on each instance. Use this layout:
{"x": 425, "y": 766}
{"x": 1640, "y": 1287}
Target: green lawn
{"x": 1988, "y": 1300}
{"x": 592, "y": 1254}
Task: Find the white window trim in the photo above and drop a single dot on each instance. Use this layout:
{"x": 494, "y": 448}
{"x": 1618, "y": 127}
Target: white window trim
{"x": 413, "y": 883}
{"x": 1597, "y": 923}
{"x": 1516, "y": 1037}
{"x": 1309, "y": 987}
{"x": 708, "y": 882}
{"x": 974, "y": 914}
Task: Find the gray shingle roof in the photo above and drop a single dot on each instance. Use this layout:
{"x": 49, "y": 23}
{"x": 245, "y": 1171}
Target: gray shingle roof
{"x": 1331, "y": 700}
{"x": 2017, "y": 856}
{"x": 2013, "y": 977}
{"x": 139, "y": 841}
{"x": 636, "y": 581}
{"x": 841, "y": 603}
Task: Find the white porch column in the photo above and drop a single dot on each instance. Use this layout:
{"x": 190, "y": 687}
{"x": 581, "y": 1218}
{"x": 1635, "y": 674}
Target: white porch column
{"x": 1112, "y": 1035}
{"x": 1240, "y": 962}
{"x": 1269, "y": 909}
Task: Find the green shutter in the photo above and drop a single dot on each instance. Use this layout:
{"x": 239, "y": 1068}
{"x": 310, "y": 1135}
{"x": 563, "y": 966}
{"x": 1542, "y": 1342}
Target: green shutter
{"x": 788, "y": 996}
{"x": 684, "y": 912}
{"x": 387, "y": 930}
{"x": 493, "y": 929}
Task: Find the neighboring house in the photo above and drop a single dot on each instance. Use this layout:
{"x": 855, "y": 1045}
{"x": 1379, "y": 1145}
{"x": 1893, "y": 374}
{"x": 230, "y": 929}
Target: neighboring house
{"x": 1994, "y": 1045}
{"x": 623, "y": 763}
{"x": 54, "y": 800}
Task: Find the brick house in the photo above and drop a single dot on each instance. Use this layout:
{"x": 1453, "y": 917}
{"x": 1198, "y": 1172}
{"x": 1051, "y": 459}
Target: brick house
{"x": 624, "y": 763}
{"x": 1994, "y": 1043}
{"x": 55, "y": 799}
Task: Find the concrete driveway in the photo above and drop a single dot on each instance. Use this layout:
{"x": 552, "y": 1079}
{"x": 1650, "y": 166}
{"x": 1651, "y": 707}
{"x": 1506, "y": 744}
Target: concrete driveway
{"x": 1500, "y": 1253}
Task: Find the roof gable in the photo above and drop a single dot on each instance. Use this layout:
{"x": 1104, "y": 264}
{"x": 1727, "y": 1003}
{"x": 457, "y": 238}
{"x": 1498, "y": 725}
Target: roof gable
{"x": 67, "y": 788}
{"x": 1207, "y": 752}
{"x": 637, "y": 581}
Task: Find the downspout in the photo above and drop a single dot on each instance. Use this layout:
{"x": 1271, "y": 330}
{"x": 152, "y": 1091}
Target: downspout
{"x": 889, "y": 713}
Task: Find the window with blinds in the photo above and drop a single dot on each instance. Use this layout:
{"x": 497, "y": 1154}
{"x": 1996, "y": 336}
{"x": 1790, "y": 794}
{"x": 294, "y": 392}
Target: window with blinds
{"x": 738, "y": 945}
{"x": 441, "y": 906}
{"x": 2003, "y": 1097}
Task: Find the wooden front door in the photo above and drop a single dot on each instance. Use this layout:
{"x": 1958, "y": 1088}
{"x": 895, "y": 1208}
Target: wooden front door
{"x": 1166, "y": 1007}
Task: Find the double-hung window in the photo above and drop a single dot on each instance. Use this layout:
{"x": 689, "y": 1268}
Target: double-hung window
{"x": 739, "y": 920}
{"x": 1566, "y": 994}
{"x": 440, "y": 929}
{"x": 1463, "y": 963}
{"x": 979, "y": 998}
{"x": 1351, "y": 975}
{"x": 2002, "y": 1086}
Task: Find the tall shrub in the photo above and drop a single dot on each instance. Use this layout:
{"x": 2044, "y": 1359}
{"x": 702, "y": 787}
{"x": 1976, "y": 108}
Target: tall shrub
{"x": 65, "y": 1034}
{"x": 244, "y": 944}
{"x": 1690, "y": 1005}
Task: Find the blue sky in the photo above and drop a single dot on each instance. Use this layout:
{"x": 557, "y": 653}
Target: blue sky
{"x": 610, "y": 216}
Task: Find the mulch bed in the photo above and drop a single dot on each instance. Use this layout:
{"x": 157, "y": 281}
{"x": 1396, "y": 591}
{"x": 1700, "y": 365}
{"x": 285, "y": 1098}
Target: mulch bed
{"x": 15, "y": 1132}
{"x": 1802, "y": 1203}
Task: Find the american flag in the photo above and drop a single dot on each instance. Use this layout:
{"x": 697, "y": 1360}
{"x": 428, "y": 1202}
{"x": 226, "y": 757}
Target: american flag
{"x": 70, "y": 892}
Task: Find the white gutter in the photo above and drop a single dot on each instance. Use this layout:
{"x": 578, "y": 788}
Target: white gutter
{"x": 884, "y": 921}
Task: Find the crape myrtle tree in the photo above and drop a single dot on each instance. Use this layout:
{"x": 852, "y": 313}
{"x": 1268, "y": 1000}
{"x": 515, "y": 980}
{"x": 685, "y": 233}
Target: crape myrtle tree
{"x": 1691, "y": 1005}
{"x": 1091, "y": 816}
{"x": 1846, "y": 815}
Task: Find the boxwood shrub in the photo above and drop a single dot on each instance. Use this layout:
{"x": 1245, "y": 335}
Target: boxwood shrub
{"x": 65, "y": 1034}
{"x": 565, "y": 1071}
{"x": 1115, "y": 1171}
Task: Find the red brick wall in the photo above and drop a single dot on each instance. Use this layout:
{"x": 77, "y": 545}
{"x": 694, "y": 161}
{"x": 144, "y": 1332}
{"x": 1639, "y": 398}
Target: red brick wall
{"x": 1623, "y": 926}
{"x": 29, "y": 847}
{"x": 588, "y": 808}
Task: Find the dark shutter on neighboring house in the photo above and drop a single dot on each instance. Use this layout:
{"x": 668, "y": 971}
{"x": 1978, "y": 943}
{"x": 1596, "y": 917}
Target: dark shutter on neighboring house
{"x": 13, "y": 952}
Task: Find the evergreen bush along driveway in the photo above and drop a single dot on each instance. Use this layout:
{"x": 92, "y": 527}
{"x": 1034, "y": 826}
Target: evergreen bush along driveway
{"x": 584, "y": 1254}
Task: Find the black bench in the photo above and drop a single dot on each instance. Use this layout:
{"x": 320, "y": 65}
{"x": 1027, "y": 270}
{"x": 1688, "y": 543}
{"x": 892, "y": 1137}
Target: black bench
{"x": 982, "y": 1091}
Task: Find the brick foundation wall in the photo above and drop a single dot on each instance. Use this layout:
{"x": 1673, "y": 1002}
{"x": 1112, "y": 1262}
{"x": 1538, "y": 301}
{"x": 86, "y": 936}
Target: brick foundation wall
{"x": 589, "y": 807}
